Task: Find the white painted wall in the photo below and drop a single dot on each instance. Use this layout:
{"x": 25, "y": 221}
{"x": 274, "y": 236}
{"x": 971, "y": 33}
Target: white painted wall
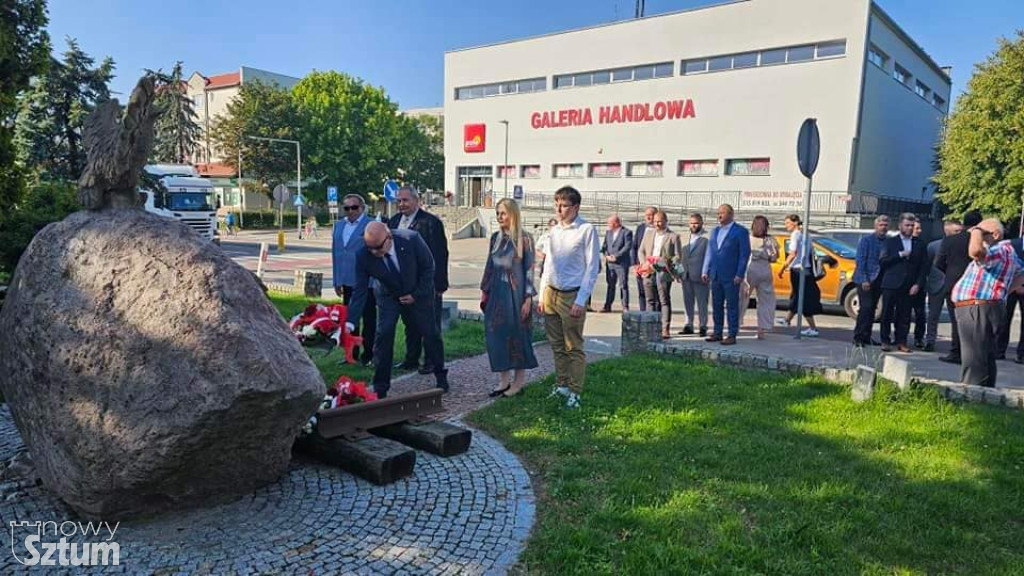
{"x": 899, "y": 129}
{"x": 739, "y": 113}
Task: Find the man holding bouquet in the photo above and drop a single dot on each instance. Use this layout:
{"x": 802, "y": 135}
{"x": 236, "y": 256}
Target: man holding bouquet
{"x": 657, "y": 258}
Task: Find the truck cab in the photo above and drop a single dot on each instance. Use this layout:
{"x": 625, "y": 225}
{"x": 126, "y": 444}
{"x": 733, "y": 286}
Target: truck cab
{"x": 186, "y": 197}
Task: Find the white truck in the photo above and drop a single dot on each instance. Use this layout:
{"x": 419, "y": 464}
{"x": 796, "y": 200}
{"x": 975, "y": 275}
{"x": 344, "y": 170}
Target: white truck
{"x": 188, "y": 198}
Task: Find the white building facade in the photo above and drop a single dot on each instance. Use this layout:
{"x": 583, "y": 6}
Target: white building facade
{"x": 698, "y": 107}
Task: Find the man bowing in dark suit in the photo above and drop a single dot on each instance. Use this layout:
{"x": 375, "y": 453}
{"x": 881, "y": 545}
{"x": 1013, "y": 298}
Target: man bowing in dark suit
{"x": 617, "y": 250}
{"x": 430, "y": 227}
{"x": 397, "y": 266}
{"x": 904, "y": 261}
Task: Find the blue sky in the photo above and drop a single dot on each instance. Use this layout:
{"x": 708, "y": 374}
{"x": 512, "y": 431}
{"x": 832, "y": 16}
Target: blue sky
{"x": 400, "y": 45}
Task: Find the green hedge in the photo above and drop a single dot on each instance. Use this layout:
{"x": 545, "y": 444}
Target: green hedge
{"x": 44, "y": 203}
{"x": 267, "y": 219}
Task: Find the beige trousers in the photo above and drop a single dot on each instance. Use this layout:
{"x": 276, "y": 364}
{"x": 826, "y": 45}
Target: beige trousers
{"x": 565, "y": 334}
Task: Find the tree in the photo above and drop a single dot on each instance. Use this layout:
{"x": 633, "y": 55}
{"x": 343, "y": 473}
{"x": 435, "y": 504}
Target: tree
{"x": 24, "y": 53}
{"x": 52, "y": 112}
{"x": 259, "y": 110}
{"x": 177, "y": 130}
{"x": 982, "y": 155}
{"x": 352, "y": 135}
{"x": 423, "y": 148}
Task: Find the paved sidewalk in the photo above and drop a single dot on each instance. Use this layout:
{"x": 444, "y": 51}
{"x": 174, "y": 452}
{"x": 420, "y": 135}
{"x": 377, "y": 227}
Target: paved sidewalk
{"x": 838, "y": 354}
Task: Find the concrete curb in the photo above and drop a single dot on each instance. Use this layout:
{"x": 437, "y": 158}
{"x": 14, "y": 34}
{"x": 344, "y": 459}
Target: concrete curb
{"x": 954, "y": 391}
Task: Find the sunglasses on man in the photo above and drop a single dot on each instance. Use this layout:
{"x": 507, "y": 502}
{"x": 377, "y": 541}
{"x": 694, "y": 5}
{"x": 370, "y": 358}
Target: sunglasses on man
{"x": 350, "y": 208}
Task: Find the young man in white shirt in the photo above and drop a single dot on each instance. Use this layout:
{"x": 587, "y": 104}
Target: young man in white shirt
{"x": 567, "y": 281}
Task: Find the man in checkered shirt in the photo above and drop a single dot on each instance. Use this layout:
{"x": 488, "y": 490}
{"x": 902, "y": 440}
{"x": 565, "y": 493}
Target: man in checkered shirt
{"x": 980, "y": 300}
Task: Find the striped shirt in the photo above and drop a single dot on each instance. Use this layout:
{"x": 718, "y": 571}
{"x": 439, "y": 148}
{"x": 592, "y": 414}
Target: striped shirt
{"x": 990, "y": 279}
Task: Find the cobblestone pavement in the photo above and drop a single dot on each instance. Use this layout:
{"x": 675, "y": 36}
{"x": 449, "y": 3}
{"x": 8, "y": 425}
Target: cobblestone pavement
{"x": 470, "y": 514}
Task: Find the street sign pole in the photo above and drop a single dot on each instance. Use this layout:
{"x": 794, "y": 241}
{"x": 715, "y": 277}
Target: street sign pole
{"x": 241, "y": 192}
{"x": 808, "y": 148}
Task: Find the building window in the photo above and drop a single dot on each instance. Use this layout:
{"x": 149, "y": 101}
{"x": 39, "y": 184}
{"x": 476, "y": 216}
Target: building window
{"x": 501, "y": 88}
{"x": 922, "y": 90}
{"x": 698, "y": 167}
{"x": 529, "y": 171}
{"x": 800, "y": 54}
{"x": 606, "y": 170}
{"x": 901, "y": 75}
{"x": 198, "y": 100}
{"x": 644, "y": 169}
{"x": 939, "y": 102}
{"x": 567, "y": 170}
{"x": 720, "y": 63}
{"x": 770, "y": 57}
{"x": 748, "y": 167}
{"x": 599, "y": 77}
{"x": 506, "y": 171}
{"x": 877, "y": 57}
{"x": 831, "y": 49}
{"x": 748, "y": 60}
{"x": 695, "y": 66}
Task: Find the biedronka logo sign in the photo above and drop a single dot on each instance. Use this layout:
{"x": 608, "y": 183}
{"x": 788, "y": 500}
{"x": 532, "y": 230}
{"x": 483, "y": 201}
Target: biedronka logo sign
{"x": 36, "y": 544}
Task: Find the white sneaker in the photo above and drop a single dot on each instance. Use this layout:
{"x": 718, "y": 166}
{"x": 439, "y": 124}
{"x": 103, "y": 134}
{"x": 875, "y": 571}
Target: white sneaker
{"x": 809, "y": 332}
{"x": 781, "y": 322}
{"x": 559, "y": 391}
{"x": 573, "y": 401}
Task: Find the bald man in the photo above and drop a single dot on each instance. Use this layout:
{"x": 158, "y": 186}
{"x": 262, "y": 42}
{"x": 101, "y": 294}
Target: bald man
{"x": 397, "y": 266}
{"x": 617, "y": 250}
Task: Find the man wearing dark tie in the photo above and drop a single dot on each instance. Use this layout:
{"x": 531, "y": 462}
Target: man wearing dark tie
{"x": 725, "y": 267}
{"x": 397, "y": 266}
{"x": 904, "y": 261}
{"x": 638, "y": 239}
{"x": 617, "y": 249}
{"x": 431, "y": 229}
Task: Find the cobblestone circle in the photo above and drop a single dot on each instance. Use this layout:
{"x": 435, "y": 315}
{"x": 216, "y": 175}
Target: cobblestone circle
{"x": 470, "y": 514}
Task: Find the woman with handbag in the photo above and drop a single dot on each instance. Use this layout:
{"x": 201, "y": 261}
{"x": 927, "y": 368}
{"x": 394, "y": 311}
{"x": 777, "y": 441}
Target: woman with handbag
{"x": 506, "y": 299}
{"x": 764, "y": 250}
{"x": 812, "y": 296}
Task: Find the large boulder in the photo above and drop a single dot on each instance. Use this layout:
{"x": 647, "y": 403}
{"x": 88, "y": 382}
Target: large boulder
{"x": 145, "y": 369}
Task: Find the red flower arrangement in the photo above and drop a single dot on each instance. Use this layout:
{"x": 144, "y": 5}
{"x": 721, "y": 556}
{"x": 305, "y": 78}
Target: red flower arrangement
{"x": 347, "y": 391}
{"x": 652, "y": 265}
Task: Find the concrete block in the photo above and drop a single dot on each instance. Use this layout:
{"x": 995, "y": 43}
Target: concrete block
{"x": 449, "y": 312}
{"x": 864, "y": 384}
{"x": 994, "y": 396}
{"x": 975, "y": 394}
{"x": 1014, "y": 398}
{"x": 897, "y": 370}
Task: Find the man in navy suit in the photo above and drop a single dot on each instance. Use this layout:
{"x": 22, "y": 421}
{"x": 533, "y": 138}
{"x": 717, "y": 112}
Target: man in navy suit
{"x": 617, "y": 250}
{"x": 347, "y": 241}
{"x": 397, "y": 266}
{"x": 904, "y": 262}
{"x": 725, "y": 267}
{"x": 638, "y": 238}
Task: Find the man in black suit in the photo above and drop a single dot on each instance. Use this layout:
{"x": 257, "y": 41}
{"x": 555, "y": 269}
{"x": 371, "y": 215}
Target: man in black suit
{"x": 617, "y": 249}
{"x": 904, "y": 262}
{"x": 952, "y": 261}
{"x": 638, "y": 238}
{"x": 430, "y": 227}
{"x": 398, "y": 267}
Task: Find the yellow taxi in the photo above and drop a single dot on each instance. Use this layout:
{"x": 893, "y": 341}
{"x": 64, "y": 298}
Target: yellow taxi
{"x": 837, "y": 288}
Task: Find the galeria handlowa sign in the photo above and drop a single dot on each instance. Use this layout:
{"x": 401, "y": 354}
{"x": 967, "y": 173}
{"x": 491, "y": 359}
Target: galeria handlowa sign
{"x": 615, "y": 114}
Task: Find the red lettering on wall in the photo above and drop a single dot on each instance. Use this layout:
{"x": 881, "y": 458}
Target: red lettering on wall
{"x": 675, "y": 109}
{"x": 688, "y": 111}
{"x": 535, "y": 120}
{"x": 627, "y": 113}
{"x": 659, "y": 111}
{"x": 603, "y": 114}
{"x": 563, "y": 117}
{"x": 574, "y": 116}
{"x": 587, "y": 117}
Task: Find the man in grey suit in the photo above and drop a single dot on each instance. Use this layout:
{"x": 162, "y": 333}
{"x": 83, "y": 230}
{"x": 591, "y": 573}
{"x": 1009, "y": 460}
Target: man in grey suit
{"x": 638, "y": 238}
{"x": 695, "y": 290}
{"x": 936, "y": 286}
{"x": 617, "y": 250}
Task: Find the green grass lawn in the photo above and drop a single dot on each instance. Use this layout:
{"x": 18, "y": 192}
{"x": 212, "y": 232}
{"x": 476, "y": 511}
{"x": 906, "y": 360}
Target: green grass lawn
{"x": 462, "y": 339}
{"x": 676, "y": 467}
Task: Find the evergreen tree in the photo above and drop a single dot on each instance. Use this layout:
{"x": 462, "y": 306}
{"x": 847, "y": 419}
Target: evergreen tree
{"x": 24, "y": 53}
{"x": 981, "y": 159}
{"x": 177, "y": 131}
{"x": 49, "y": 126}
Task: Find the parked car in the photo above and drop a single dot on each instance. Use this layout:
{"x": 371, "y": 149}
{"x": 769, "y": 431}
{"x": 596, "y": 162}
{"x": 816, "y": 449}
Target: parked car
{"x": 838, "y": 292}
{"x": 850, "y": 236}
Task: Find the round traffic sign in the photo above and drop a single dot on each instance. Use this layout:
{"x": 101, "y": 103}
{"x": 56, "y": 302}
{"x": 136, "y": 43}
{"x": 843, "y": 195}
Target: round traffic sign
{"x": 281, "y": 193}
{"x": 808, "y": 147}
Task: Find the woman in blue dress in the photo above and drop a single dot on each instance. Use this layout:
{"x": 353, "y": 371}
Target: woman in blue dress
{"x": 507, "y": 301}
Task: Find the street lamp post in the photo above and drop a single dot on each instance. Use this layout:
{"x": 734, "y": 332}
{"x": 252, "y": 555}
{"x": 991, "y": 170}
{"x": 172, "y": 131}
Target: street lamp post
{"x": 505, "y": 166}
{"x": 298, "y": 171}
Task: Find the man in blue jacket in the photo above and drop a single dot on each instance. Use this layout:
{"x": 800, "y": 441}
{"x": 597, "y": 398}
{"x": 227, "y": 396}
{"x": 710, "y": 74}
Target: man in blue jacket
{"x": 396, "y": 266}
{"x": 346, "y": 242}
{"x": 868, "y": 278}
{"x": 725, "y": 268}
